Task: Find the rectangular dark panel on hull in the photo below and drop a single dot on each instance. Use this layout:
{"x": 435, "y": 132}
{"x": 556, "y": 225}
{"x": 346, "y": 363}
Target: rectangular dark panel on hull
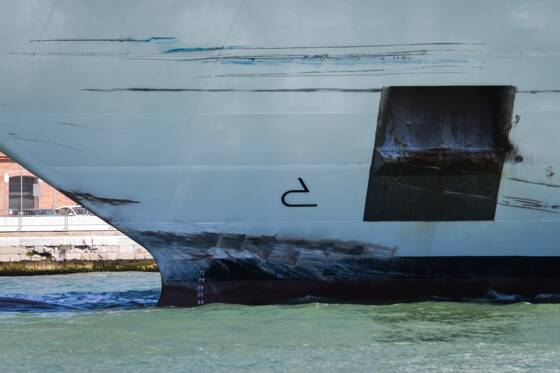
{"x": 439, "y": 153}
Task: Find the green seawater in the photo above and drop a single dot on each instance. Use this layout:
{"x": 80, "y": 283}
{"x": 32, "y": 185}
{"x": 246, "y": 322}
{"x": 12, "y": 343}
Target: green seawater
{"x": 106, "y": 322}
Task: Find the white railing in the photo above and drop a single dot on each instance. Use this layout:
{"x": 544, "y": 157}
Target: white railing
{"x": 52, "y": 223}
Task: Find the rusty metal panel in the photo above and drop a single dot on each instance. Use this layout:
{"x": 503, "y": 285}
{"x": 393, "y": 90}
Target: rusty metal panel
{"x": 439, "y": 153}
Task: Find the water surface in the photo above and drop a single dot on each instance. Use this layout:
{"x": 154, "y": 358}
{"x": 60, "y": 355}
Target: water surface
{"x": 107, "y": 322}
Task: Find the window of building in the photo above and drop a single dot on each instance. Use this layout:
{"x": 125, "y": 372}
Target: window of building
{"x": 21, "y": 192}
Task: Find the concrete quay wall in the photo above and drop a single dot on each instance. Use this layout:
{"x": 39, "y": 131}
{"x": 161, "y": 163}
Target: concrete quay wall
{"x": 65, "y": 252}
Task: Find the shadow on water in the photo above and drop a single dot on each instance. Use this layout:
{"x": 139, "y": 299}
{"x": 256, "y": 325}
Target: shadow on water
{"x": 80, "y": 301}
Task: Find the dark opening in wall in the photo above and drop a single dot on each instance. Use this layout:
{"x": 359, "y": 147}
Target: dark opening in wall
{"x": 21, "y": 192}
{"x": 439, "y": 153}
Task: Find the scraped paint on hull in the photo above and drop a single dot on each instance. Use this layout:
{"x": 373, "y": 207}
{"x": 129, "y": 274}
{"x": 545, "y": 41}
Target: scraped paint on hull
{"x": 225, "y": 268}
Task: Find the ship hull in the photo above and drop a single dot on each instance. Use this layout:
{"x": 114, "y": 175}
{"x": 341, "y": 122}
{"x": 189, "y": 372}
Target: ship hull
{"x": 225, "y": 268}
{"x": 281, "y": 151}
{"x": 373, "y": 291}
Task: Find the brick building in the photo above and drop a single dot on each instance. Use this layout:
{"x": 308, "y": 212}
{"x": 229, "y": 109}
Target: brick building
{"x": 20, "y": 188}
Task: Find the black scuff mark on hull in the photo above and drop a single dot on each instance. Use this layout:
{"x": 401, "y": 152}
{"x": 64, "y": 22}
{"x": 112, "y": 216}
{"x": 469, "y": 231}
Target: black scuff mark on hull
{"x": 430, "y": 69}
{"x": 393, "y": 58}
{"x": 202, "y": 49}
{"x": 207, "y": 240}
{"x": 297, "y": 75}
{"x": 537, "y": 91}
{"x": 306, "y": 58}
{"x": 224, "y": 90}
{"x": 235, "y": 47}
{"x": 533, "y": 182}
{"x": 16, "y": 137}
{"x": 75, "y": 125}
{"x": 302, "y": 73}
{"x": 80, "y": 197}
{"x": 153, "y": 39}
{"x": 529, "y": 204}
{"x": 222, "y": 255}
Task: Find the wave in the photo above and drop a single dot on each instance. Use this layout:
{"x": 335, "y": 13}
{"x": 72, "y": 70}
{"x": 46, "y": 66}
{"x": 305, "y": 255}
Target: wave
{"x": 79, "y": 301}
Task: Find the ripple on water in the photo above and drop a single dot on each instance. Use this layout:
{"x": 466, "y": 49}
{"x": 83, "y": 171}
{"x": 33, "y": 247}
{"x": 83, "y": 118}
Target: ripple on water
{"x": 79, "y": 292}
{"x": 104, "y": 322}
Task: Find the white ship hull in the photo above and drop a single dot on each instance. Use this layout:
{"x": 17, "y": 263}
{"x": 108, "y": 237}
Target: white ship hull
{"x": 234, "y": 140}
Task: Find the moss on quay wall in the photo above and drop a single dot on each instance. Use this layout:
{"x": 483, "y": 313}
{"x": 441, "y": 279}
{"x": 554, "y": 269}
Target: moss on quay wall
{"x": 51, "y": 267}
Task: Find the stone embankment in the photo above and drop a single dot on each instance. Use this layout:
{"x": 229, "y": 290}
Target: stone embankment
{"x": 33, "y": 253}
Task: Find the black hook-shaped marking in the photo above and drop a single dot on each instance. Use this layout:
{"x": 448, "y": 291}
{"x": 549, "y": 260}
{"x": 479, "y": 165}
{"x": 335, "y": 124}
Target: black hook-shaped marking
{"x": 305, "y": 190}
